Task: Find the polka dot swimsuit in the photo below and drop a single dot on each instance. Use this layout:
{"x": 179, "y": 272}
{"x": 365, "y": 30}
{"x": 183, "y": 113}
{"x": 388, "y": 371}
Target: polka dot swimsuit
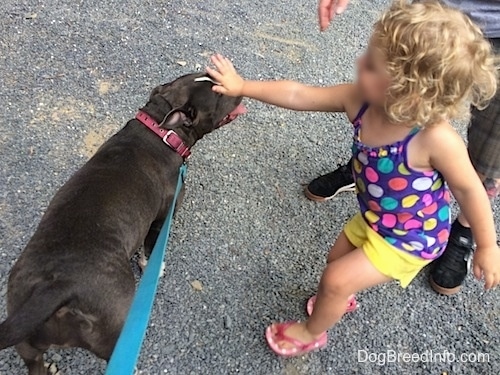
{"x": 409, "y": 209}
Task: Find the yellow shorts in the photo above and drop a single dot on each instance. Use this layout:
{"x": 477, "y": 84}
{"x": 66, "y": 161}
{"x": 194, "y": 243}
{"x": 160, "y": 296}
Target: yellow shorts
{"x": 389, "y": 260}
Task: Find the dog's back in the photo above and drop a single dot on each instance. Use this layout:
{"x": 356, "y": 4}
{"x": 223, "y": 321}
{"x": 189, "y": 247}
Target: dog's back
{"x": 73, "y": 284}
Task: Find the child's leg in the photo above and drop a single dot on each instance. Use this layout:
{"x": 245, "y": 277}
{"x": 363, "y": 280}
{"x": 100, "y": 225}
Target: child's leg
{"x": 341, "y": 278}
{"x": 340, "y": 248}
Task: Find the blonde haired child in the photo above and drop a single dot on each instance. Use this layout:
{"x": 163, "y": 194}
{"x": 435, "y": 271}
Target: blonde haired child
{"x": 425, "y": 64}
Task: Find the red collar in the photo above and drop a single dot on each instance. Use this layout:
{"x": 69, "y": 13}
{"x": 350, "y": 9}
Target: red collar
{"x": 169, "y": 137}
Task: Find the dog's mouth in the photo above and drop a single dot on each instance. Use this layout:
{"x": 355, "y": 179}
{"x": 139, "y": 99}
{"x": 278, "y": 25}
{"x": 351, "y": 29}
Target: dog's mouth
{"x": 239, "y": 110}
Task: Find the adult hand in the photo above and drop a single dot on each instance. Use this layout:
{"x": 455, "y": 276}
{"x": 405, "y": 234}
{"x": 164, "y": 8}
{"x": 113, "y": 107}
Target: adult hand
{"x": 230, "y": 82}
{"x": 327, "y": 9}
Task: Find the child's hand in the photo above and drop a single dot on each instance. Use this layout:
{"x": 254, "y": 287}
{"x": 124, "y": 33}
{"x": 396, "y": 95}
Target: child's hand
{"x": 487, "y": 264}
{"x": 231, "y": 83}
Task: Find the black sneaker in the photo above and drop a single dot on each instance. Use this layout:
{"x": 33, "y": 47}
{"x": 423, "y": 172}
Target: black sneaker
{"x": 329, "y": 185}
{"x": 448, "y": 272}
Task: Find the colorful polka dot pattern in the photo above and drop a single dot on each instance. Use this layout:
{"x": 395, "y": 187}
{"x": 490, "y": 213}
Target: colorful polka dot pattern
{"x": 409, "y": 209}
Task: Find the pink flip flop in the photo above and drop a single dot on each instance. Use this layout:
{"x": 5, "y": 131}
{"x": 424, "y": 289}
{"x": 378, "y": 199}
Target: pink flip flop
{"x": 351, "y": 304}
{"x": 300, "y": 347}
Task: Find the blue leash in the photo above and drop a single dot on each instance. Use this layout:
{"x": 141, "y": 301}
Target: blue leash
{"x": 128, "y": 346}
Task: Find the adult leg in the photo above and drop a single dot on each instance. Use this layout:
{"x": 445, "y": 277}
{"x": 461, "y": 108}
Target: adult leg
{"x": 329, "y": 185}
{"x": 448, "y": 272}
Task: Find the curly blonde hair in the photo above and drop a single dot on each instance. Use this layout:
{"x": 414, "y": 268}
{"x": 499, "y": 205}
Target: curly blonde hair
{"x": 438, "y": 62}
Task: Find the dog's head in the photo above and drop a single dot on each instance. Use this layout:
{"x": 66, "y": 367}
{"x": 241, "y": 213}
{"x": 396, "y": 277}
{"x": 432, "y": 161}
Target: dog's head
{"x": 190, "y": 107}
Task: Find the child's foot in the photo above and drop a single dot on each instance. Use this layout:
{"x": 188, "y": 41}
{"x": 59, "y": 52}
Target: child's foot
{"x": 291, "y": 339}
{"x": 352, "y": 304}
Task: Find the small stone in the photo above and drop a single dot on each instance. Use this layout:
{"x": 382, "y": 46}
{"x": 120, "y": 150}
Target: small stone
{"x": 197, "y": 285}
{"x": 182, "y": 63}
{"x": 30, "y": 16}
{"x": 197, "y": 66}
{"x": 56, "y": 357}
{"x": 228, "y": 322}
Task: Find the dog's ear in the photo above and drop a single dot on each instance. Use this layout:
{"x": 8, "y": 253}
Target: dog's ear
{"x": 158, "y": 90}
{"x": 178, "y": 117}
{"x": 174, "y": 119}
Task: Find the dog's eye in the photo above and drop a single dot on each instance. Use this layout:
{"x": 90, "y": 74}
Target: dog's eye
{"x": 192, "y": 113}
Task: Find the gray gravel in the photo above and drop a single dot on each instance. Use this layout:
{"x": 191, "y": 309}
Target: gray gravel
{"x": 71, "y": 74}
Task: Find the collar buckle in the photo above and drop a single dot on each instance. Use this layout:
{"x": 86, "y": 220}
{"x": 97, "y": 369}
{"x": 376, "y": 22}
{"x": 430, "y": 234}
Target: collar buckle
{"x": 171, "y": 139}
{"x": 175, "y": 142}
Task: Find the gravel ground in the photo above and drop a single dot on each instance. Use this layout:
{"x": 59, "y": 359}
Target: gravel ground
{"x": 72, "y": 73}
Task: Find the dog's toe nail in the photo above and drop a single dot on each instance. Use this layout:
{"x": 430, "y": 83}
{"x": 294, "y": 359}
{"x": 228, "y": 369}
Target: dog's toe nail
{"x": 162, "y": 270}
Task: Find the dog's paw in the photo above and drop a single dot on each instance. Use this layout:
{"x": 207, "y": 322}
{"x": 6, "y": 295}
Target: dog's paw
{"x": 142, "y": 261}
{"x": 162, "y": 269}
{"x": 52, "y": 369}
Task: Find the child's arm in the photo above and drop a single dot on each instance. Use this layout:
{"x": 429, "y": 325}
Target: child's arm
{"x": 449, "y": 156}
{"x": 286, "y": 94}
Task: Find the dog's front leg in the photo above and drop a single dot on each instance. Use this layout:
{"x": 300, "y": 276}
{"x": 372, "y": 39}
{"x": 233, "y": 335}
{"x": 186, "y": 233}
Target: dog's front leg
{"x": 153, "y": 233}
{"x": 149, "y": 243}
{"x": 151, "y": 238}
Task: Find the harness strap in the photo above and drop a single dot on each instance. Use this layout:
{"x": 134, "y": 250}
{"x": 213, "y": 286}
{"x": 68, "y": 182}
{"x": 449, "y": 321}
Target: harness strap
{"x": 128, "y": 346}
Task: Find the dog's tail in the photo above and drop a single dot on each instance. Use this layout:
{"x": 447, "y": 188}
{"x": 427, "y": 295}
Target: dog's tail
{"x": 44, "y": 301}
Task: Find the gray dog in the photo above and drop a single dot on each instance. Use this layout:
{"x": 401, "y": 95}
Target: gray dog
{"x": 73, "y": 284}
